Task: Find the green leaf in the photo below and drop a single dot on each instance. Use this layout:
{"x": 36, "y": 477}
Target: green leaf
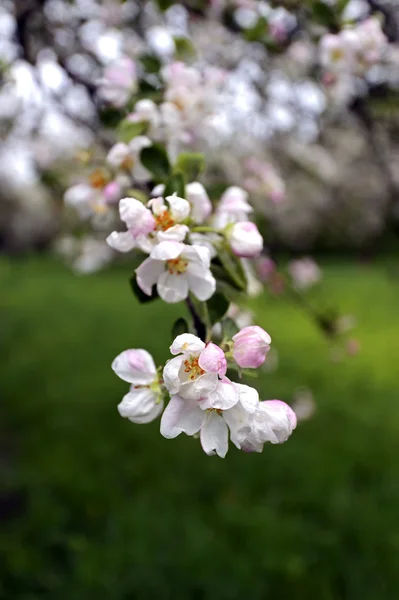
{"x": 156, "y": 160}
{"x": 217, "y": 307}
{"x": 110, "y": 117}
{"x": 164, "y": 4}
{"x": 324, "y": 14}
{"x": 233, "y": 269}
{"x": 151, "y": 63}
{"x": 229, "y": 328}
{"x": 138, "y": 195}
{"x": 258, "y": 32}
{"x": 179, "y": 326}
{"x": 341, "y": 5}
{"x": 140, "y": 295}
{"x": 191, "y": 164}
{"x": 127, "y": 130}
{"x": 185, "y": 50}
{"x": 175, "y": 184}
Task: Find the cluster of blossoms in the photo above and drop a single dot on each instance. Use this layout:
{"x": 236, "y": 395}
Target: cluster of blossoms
{"x": 353, "y": 51}
{"x": 189, "y": 100}
{"x": 170, "y": 230}
{"x": 203, "y": 401}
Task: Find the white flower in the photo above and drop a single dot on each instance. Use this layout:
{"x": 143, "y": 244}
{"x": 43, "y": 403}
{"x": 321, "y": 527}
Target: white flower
{"x": 177, "y": 269}
{"x": 198, "y": 373}
{"x": 304, "y": 272}
{"x": 245, "y": 239}
{"x": 273, "y": 421}
{"x": 199, "y": 200}
{"x": 93, "y": 255}
{"x": 144, "y": 401}
{"x": 337, "y": 52}
{"x": 148, "y": 225}
{"x": 147, "y": 111}
{"x": 119, "y": 81}
{"x": 186, "y": 416}
{"x": 233, "y": 207}
{"x": 127, "y": 157}
{"x": 85, "y": 199}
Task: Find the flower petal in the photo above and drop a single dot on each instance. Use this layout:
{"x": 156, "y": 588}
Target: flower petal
{"x": 135, "y": 366}
{"x": 179, "y": 207}
{"x": 177, "y": 233}
{"x": 224, "y": 396}
{"x": 213, "y": 360}
{"x": 123, "y": 241}
{"x": 202, "y": 287}
{"x": 148, "y": 274}
{"x": 171, "y": 374}
{"x": 181, "y": 416}
{"x": 248, "y": 397}
{"x": 140, "y": 406}
{"x": 200, "y": 388}
{"x": 168, "y": 250}
{"x": 188, "y": 344}
{"x": 214, "y": 435}
{"x": 172, "y": 287}
{"x": 238, "y": 421}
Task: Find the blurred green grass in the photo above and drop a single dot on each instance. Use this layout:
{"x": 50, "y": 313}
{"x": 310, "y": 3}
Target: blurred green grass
{"x": 96, "y": 507}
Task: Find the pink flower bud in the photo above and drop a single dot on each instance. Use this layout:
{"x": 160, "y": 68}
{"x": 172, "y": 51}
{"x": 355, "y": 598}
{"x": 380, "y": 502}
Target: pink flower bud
{"x": 251, "y": 345}
{"x": 245, "y": 239}
{"x": 112, "y": 192}
{"x": 265, "y": 268}
{"x": 213, "y": 360}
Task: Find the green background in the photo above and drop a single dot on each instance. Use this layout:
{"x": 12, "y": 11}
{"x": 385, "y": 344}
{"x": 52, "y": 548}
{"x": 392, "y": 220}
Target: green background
{"x": 96, "y": 507}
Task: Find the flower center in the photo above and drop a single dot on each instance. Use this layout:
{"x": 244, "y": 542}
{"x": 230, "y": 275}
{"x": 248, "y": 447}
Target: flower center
{"x": 127, "y": 163}
{"x": 192, "y": 367}
{"x": 98, "y": 179}
{"x": 163, "y": 221}
{"x": 177, "y": 266}
{"x": 337, "y": 55}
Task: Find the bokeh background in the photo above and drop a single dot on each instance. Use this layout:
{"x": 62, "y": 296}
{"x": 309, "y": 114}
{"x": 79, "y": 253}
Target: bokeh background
{"x": 93, "y": 506}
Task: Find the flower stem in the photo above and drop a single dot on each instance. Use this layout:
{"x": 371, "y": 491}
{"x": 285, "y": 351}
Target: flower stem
{"x": 206, "y": 229}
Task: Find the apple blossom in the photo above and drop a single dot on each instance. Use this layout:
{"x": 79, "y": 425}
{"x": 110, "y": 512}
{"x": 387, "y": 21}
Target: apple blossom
{"x": 184, "y": 415}
{"x": 148, "y": 225}
{"x": 245, "y": 239}
{"x": 144, "y": 402}
{"x": 177, "y": 269}
{"x": 273, "y": 421}
{"x": 250, "y": 347}
{"x": 199, "y": 200}
{"x": 146, "y": 110}
{"x": 304, "y": 272}
{"x": 233, "y": 206}
{"x": 118, "y": 82}
{"x": 127, "y": 157}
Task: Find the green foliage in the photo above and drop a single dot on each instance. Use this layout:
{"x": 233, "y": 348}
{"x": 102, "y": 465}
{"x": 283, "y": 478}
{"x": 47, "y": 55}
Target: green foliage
{"x": 179, "y": 326}
{"x": 151, "y": 63}
{"x": 257, "y": 33}
{"x": 127, "y": 130}
{"x": 164, "y": 4}
{"x": 324, "y": 14}
{"x": 229, "y": 328}
{"x": 190, "y": 164}
{"x": 138, "y": 194}
{"x": 175, "y": 184}
{"x": 156, "y": 160}
{"x": 94, "y": 506}
{"x": 185, "y": 50}
{"x": 217, "y": 307}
